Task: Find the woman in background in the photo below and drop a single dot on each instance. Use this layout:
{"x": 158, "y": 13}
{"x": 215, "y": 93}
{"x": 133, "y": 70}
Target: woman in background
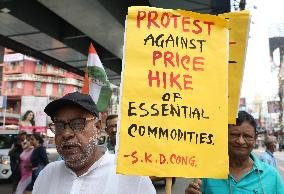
{"x": 25, "y": 167}
{"x": 14, "y": 154}
{"x": 39, "y": 158}
{"x": 28, "y": 119}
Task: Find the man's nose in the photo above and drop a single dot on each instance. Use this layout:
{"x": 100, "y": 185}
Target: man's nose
{"x": 67, "y": 132}
{"x": 114, "y": 129}
{"x": 241, "y": 140}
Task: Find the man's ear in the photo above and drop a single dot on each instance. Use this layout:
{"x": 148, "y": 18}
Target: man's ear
{"x": 98, "y": 125}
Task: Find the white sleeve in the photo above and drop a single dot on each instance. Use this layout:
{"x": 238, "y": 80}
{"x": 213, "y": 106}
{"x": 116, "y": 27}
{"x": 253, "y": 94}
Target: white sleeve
{"x": 146, "y": 186}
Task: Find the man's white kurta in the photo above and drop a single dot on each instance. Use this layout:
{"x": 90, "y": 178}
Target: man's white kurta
{"x": 101, "y": 178}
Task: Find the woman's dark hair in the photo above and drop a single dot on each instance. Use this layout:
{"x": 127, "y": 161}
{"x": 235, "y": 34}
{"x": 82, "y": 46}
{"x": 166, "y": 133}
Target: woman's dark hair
{"x": 25, "y": 117}
{"x": 17, "y": 144}
{"x": 243, "y": 116}
{"x": 38, "y": 138}
{"x": 29, "y": 137}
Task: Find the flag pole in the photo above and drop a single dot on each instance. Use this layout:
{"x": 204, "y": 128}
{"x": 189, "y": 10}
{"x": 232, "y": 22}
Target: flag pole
{"x": 168, "y": 185}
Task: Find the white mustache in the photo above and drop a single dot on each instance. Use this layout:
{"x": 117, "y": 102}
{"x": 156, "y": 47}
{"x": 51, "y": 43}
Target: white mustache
{"x": 69, "y": 144}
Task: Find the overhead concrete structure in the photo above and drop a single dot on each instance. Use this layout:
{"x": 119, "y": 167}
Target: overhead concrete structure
{"x": 59, "y": 32}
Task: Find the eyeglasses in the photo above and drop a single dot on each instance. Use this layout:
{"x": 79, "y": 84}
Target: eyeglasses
{"x": 77, "y": 125}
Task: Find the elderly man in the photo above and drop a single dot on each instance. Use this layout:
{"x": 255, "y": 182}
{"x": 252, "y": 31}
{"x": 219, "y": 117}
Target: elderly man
{"x": 111, "y": 129}
{"x": 267, "y": 156}
{"x": 247, "y": 175}
{"x": 87, "y": 168}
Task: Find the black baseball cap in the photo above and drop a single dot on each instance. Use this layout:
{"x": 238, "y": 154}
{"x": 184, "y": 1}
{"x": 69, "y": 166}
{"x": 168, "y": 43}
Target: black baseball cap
{"x": 76, "y": 98}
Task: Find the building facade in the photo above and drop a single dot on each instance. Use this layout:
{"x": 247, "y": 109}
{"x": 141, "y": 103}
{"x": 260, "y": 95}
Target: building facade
{"x": 24, "y": 78}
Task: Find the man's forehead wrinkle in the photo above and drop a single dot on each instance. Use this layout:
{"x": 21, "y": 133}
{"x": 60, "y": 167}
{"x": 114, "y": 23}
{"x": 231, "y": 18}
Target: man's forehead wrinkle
{"x": 234, "y": 128}
{"x": 243, "y": 129}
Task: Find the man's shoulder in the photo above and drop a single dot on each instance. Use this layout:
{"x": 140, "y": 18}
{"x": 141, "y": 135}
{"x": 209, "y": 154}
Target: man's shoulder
{"x": 268, "y": 171}
{"x": 56, "y": 164}
{"x": 268, "y": 168}
{"x": 213, "y": 182}
{"x": 53, "y": 167}
{"x": 265, "y": 155}
{"x": 49, "y": 175}
{"x": 137, "y": 184}
{"x": 261, "y": 165}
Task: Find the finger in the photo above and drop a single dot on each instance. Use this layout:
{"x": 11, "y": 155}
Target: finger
{"x": 192, "y": 191}
{"x": 193, "y": 188}
{"x": 198, "y": 181}
{"x": 196, "y": 186}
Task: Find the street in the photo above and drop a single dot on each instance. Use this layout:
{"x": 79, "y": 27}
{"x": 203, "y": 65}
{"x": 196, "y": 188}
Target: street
{"x": 178, "y": 187}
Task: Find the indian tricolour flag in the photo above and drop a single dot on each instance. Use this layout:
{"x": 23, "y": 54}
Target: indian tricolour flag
{"x": 96, "y": 82}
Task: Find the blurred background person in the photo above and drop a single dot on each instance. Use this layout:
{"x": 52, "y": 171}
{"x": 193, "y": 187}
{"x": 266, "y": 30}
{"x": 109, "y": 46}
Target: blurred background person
{"x": 281, "y": 141}
{"x": 111, "y": 129}
{"x": 39, "y": 158}
{"x": 28, "y": 119}
{"x": 25, "y": 167}
{"x": 268, "y": 157}
{"x": 22, "y": 137}
{"x": 14, "y": 155}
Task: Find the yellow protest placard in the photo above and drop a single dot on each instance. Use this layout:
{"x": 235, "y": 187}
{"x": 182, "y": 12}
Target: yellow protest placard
{"x": 239, "y": 28}
{"x": 174, "y": 102}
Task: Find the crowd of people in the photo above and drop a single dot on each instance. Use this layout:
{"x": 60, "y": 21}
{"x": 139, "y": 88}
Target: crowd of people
{"x": 87, "y": 167}
{"x": 28, "y": 157}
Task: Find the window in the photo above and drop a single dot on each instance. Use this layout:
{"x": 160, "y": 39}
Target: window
{"x": 6, "y": 140}
{"x": 13, "y": 64}
{"x": 77, "y": 89}
{"x": 60, "y": 89}
{"x": 48, "y": 89}
{"x": 19, "y": 85}
{"x": 61, "y": 71}
{"x": 49, "y": 68}
{"x": 55, "y": 70}
{"x": 20, "y": 63}
{"x": 10, "y": 85}
{"x": 39, "y": 66}
{"x": 38, "y": 86}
